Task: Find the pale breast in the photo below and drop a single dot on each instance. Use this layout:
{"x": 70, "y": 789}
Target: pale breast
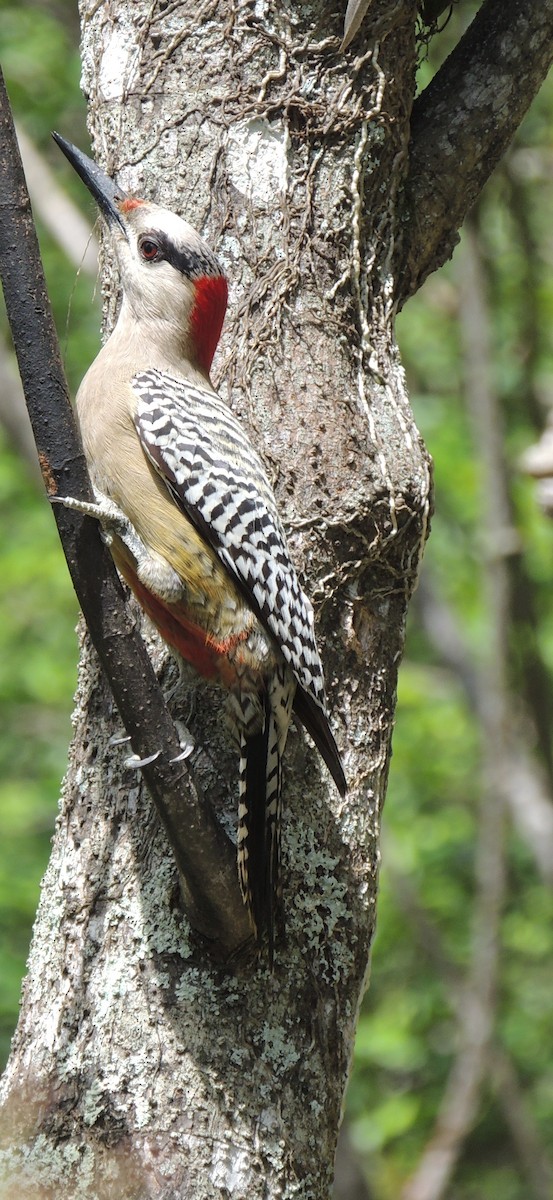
{"x": 119, "y": 468}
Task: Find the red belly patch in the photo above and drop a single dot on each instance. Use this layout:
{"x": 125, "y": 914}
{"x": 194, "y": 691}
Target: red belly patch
{"x": 202, "y": 650}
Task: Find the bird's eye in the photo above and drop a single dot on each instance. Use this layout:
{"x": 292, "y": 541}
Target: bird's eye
{"x": 149, "y": 249}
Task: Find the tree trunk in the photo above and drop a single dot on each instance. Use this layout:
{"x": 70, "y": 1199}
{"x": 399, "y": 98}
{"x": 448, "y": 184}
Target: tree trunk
{"x": 140, "y": 1067}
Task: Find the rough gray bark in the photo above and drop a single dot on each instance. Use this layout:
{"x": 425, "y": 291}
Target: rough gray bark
{"x": 139, "y": 1067}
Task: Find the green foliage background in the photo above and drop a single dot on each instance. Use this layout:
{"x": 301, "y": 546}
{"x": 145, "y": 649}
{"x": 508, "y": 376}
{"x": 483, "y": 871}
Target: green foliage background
{"x": 408, "y": 1028}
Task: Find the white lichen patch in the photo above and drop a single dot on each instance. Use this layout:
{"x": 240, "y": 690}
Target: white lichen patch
{"x": 94, "y": 1102}
{"x": 116, "y": 66}
{"x": 278, "y": 1049}
{"x": 257, "y": 161}
{"x": 229, "y": 1167}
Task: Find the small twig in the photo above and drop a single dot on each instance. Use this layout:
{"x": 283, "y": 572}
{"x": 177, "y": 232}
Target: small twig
{"x": 204, "y": 854}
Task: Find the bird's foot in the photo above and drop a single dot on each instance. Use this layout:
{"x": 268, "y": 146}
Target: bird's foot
{"x": 112, "y": 519}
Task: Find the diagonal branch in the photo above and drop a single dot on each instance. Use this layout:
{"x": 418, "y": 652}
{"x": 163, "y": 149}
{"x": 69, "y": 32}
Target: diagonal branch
{"x": 205, "y": 856}
{"x": 462, "y": 124}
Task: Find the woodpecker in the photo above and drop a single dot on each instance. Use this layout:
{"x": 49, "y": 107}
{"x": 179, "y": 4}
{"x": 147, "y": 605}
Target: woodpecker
{"x": 190, "y": 516}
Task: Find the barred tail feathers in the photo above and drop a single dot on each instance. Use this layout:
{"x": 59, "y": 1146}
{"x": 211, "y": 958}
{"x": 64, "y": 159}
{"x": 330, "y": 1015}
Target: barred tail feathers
{"x": 259, "y": 812}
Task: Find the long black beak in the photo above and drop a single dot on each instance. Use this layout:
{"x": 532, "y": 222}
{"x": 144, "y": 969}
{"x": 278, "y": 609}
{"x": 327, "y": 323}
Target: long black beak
{"x": 106, "y": 193}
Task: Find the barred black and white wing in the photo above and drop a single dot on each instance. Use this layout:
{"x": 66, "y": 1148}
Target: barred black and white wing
{"x": 196, "y": 444}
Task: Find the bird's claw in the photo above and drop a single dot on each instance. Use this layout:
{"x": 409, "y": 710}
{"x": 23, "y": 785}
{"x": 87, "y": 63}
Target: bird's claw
{"x": 186, "y": 741}
{"x": 134, "y": 762}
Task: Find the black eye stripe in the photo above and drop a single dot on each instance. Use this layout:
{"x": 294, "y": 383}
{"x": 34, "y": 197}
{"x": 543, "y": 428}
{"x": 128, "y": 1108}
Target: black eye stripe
{"x": 195, "y": 264}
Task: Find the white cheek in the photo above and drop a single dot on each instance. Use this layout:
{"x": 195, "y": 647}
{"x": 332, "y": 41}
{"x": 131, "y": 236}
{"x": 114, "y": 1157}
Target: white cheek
{"x": 158, "y": 290}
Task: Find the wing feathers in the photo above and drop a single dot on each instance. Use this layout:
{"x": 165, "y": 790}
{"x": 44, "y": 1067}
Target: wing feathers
{"x": 213, "y": 473}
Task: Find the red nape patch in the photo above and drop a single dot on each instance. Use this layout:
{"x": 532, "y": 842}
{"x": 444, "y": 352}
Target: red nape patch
{"x": 208, "y": 315}
{"x": 128, "y": 205}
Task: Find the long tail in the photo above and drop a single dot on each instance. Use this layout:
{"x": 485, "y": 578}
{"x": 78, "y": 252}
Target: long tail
{"x": 259, "y": 811}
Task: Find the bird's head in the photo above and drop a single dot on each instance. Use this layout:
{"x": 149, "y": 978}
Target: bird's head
{"x": 169, "y": 275}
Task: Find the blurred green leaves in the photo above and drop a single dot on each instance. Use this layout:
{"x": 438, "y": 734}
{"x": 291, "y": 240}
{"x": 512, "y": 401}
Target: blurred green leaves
{"x": 40, "y": 60}
{"x": 38, "y": 613}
